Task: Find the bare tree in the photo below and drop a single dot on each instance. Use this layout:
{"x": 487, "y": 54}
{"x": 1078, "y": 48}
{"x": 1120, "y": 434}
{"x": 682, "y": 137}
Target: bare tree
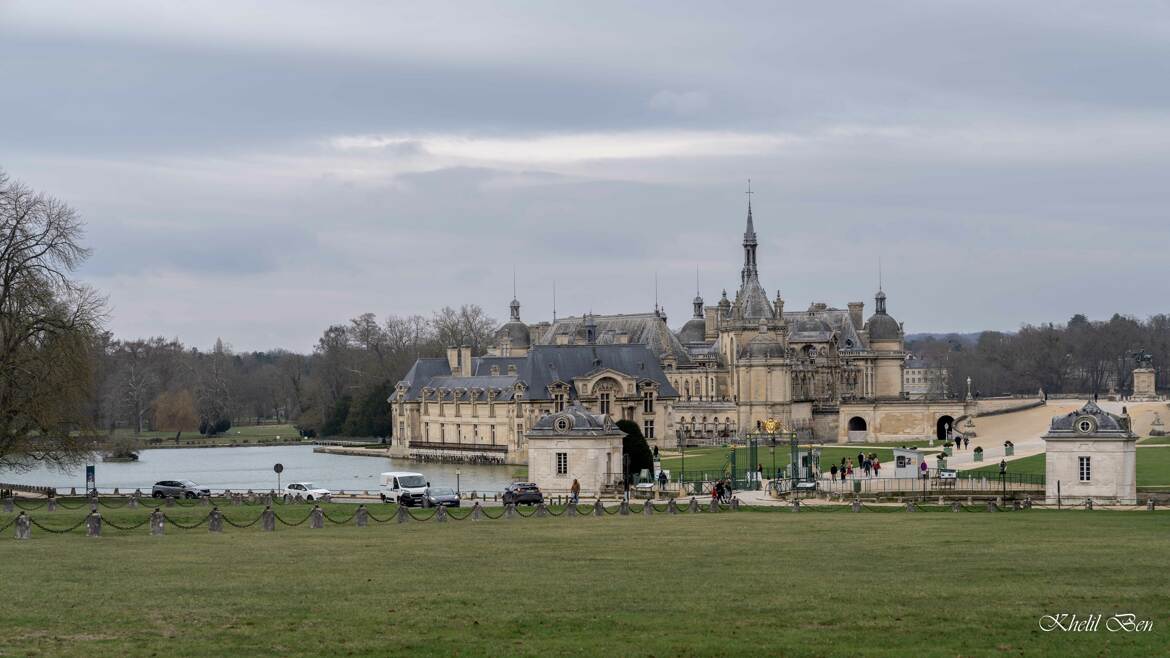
{"x": 48, "y": 326}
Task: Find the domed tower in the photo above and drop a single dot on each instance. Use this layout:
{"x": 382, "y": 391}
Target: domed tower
{"x": 763, "y": 373}
{"x": 885, "y": 340}
{"x": 695, "y": 330}
{"x": 513, "y": 338}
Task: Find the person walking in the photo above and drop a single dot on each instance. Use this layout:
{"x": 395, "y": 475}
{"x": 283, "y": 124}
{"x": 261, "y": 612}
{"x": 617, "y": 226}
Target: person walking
{"x": 966, "y": 442}
{"x": 865, "y": 466}
{"x": 877, "y": 467}
{"x": 661, "y": 480}
{"x": 849, "y": 468}
{"x": 760, "y": 472}
{"x": 833, "y": 472}
{"x": 575, "y": 492}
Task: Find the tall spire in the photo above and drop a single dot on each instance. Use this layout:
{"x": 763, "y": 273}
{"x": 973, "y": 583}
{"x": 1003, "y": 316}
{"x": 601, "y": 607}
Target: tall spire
{"x": 749, "y": 243}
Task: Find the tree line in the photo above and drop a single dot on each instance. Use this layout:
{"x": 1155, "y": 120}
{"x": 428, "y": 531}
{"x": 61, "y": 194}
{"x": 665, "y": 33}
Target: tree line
{"x": 1080, "y": 356}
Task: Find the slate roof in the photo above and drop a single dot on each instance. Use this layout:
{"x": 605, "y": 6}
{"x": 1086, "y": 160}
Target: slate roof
{"x": 580, "y": 423}
{"x": 1107, "y": 425}
{"x": 544, "y": 365}
{"x": 825, "y": 323}
{"x": 643, "y": 328}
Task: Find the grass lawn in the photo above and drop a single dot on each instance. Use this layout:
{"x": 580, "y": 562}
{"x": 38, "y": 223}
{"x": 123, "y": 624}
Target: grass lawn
{"x": 587, "y": 586}
{"x": 1154, "y": 441}
{"x": 1153, "y": 467}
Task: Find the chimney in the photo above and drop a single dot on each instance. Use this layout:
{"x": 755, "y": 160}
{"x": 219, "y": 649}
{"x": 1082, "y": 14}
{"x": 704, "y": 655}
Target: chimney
{"x": 857, "y": 313}
{"x": 465, "y": 361}
{"x": 453, "y": 359}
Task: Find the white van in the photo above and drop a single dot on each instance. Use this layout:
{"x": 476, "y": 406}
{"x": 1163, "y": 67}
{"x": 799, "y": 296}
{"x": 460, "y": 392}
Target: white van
{"x": 403, "y": 487}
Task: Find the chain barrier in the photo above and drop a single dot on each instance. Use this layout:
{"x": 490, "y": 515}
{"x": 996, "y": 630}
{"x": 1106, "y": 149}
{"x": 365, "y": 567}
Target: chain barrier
{"x": 342, "y": 522}
{"x": 293, "y": 525}
{"x": 29, "y": 508}
{"x": 136, "y": 526}
{"x": 493, "y": 518}
{"x": 77, "y": 506}
{"x": 528, "y": 515}
{"x": 183, "y": 526}
{"x": 604, "y": 509}
{"x": 560, "y": 513}
{"x": 9, "y": 524}
{"x": 58, "y": 531}
{"x": 451, "y": 514}
{"x": 241, "y": 526}
{"x": 425, "y": 518}
{"x": 376, "y": 519}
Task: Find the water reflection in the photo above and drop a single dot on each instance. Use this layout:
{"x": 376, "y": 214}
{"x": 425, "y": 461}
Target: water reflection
{"x": 251, "y": 468}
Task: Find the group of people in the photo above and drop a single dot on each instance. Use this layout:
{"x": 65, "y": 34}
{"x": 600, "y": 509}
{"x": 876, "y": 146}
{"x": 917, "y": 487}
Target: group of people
{"x": 721, "y": 491}
{"x": 962, "y": 442}
{"x": 867, "y": 464}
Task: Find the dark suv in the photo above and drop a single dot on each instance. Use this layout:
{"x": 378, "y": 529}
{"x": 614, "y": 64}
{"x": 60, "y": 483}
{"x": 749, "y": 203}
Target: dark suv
{"x": 523, "y": 493}
{"x": 178, "y": 489}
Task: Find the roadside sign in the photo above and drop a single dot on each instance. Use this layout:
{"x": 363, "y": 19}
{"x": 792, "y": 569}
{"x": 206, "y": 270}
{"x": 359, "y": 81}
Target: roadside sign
{"x": 279, "y": 468}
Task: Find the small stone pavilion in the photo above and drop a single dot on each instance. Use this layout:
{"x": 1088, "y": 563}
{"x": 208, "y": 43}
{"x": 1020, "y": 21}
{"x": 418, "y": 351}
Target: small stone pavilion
{"x": 575, "y": 444}
{"x": 1090, "y": 454}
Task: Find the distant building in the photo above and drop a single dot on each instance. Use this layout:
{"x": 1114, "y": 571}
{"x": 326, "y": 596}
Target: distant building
{"x": 1090, "y": 454}
{"x": 832, "y": 374}
{"x": 575, "y": 444}
{"x": 922, "y": 379}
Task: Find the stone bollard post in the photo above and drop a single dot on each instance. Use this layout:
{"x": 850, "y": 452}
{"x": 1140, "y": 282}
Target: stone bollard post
{"x": 402, "y": 516}
{"x": 624, "y": 508}
{"x": 476, "y": 511}
{"x": 1150, "y": 504}
{"x": 999, "y": 501}
{"x": 991, "y": 506}
{"x": 1089, "y": 504}
{"x": 1017, "y": 505}
{"x": 970, "y": 500}
{"x": 440, "y": 514}
{"x": 251, "y": 498}
{"x": 327, "y": 498}
{"x": 93, "y": 503}
{"x": 672, "y": 506}
{"x": 956, "y": 507}
{"x": 317, "y": 517}
{"x": 133, "y": 502}
{"x": 205, "y": 500}
{"x": 116, "y": 491}
{"x": 510, "y": 511}
{"x": 796, "y": 506}
{"x": 8, "y": 502}
{"x": 157, "y": 523}
{"x": 51, "y": 506}
{"x": 693, "y": 507}
{"x": 598, "y": 508}
{"x": 287, "y": 499}
{"x": 571, "y": 509}
{"x": 214, "y": 520}
{"x": 268, "y": 519}
{"x": 713, "y": 506}
{"x": 941, "y": 501}
{"x": 910, "y": 506}
{"x": 362, "y": 516}
{"x": 170, "y": 501}
{"x": 648, "y": 508}
{"x": 541, "y": 510}
{"x": 298, "y": 499}
{"x": 857, "y": 506}
{"x": 72, "y": 491}
{"x": 93, "y": 525}
{"x": 23, "y": 527}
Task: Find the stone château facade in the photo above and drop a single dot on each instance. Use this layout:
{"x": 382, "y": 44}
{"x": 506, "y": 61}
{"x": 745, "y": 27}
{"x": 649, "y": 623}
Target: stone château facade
{"x": 831, "y": 374}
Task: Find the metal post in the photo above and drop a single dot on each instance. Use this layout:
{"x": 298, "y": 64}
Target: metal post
{"x": 457, "y": 489}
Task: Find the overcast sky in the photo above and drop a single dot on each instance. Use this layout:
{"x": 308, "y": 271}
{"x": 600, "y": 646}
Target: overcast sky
{"x": 258, "y": 171}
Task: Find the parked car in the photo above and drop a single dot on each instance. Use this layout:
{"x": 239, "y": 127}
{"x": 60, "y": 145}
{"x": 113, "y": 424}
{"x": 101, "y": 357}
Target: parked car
{"x": 178, "y": 489}
{"x": 403, "y": 487}
{"x": 307, "y": 490}
{"x": 440, "y": 496}
{"x": 523, "y": 493}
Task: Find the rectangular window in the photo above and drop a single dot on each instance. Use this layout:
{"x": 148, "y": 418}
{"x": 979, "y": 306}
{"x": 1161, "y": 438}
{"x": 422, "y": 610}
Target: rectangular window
{"x": 562, "y": 463}
{"x": 1086, "y": 469}
{"x": 493, "y": 435}
{"x": 648, "y": 428}
{"x": 603, "y": 401}
{"x": 559, "y": 402}
{"x": 426, "y": 431}
{"x": 648, "y": 402}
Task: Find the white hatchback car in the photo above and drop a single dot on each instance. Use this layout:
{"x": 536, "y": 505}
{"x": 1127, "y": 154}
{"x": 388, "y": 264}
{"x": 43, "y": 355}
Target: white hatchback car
{"x": 307, "y": 490}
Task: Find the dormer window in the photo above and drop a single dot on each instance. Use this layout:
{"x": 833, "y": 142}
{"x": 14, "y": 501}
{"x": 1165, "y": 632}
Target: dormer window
{"x": 559, "y": 402}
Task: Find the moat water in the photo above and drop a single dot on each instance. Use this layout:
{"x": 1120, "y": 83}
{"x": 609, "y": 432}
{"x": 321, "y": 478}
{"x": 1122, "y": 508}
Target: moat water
{"x": 251, "y": 468}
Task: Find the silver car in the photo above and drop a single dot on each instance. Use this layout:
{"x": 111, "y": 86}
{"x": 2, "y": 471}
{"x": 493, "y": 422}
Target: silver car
{"x": 178, "y": 489}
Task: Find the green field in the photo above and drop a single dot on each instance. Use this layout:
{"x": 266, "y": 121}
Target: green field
{"x": 1153, "y": 467}
{"x": 897, "y": 584}
{"x": 240, "y": 434}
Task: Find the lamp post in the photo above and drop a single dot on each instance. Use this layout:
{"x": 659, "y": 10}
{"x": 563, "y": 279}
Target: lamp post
{"x": 1003, "y": 477}
{"x": 457, "y": 489}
